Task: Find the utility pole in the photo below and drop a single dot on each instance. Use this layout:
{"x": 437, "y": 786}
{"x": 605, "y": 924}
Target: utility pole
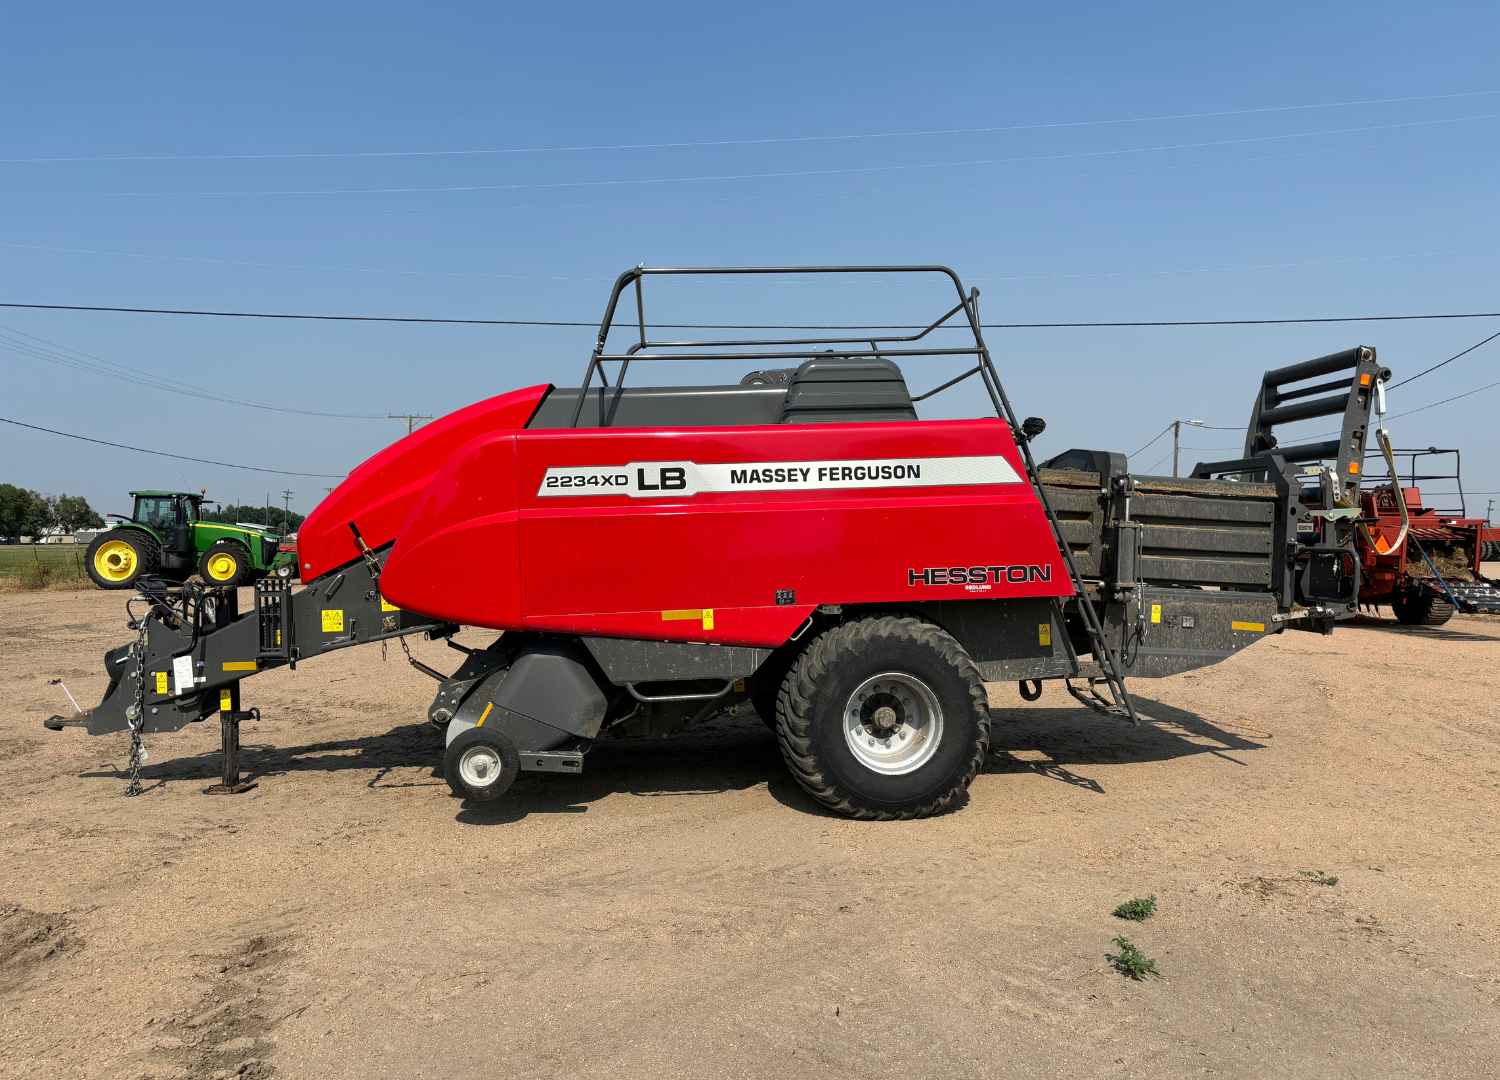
{"x": 286, "y": 512}
{"x": 410, "y": 418}
{"x": 1177, "y": 439}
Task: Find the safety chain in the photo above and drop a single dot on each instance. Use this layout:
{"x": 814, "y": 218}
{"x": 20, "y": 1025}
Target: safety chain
{"x": 374, "y": 565}
{"x": 135, "y": 714}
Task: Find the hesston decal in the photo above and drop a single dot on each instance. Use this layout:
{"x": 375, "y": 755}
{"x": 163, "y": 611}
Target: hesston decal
{"x": 1019, "y": 574}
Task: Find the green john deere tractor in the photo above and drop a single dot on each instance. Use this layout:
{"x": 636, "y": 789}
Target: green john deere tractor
{"x": 164, "y": 538}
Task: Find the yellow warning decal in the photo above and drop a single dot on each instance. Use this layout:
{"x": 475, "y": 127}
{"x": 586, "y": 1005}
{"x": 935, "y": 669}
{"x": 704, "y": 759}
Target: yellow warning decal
{"x": 239, "y": 665}
{"x": 1155, "y": 613}
{"x": 333, "y": 620}
{"x": 161, "y": 682}
{"x": 386, "y": 605}
{"x": 485, "y": 715}
{"x": 1044, "y": 633}
{"x": 702, "y": 616}
{"x": 226, "y": 701}
{"x": 1258, "y": 627}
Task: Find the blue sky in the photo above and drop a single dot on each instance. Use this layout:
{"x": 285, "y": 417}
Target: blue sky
{"x": 1087, "y": 204}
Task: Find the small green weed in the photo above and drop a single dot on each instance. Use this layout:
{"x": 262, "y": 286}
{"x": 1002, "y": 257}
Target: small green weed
{"x": 1317, "y": 877}
{"x": 1137, "y": 910}
{"x": 1130, "y": 961}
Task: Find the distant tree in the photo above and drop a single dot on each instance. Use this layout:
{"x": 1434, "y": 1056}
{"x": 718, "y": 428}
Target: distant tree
{"x": 22, "y": 511}
{"x": 254, "y": 515}
{"x": 73, "y": 512}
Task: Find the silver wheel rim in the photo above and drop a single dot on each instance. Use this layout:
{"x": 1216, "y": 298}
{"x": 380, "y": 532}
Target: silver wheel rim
{"x": 893, "y": 723}
{"x": 480, "y": 766}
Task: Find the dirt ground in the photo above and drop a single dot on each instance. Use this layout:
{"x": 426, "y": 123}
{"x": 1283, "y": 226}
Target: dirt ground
{"x": 682, "y": 909}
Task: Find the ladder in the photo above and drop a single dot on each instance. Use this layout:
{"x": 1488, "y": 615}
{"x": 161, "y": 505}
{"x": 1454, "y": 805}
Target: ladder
{"x": 1118, "y": 704}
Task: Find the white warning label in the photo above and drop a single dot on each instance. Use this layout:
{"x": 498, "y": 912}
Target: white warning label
{"x": 654, "y": 479}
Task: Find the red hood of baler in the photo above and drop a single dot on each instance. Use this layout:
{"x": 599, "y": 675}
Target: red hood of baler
{"x": 380, "y": 493}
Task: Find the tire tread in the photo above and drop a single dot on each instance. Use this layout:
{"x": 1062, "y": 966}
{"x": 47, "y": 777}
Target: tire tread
{"x": 795, "y": 706}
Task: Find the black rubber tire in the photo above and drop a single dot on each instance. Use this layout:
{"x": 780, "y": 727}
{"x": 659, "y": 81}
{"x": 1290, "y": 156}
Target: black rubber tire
{"x": 1421, "y": 608}
{"x": 147, "y": 557}
{"x": 765, "y": 684}
{"x": 243, "y": 576}
{"x": 810, "y": 710}
{"x": 510, "y": 764}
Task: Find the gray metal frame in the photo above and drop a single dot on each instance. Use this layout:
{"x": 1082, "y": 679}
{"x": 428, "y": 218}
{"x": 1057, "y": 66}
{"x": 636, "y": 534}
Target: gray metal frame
{"x": 1412, "y": 478}
{"x": 1279, "y": 402}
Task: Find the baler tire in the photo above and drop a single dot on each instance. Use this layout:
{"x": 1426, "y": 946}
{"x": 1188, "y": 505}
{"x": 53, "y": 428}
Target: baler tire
{"x": 244, "y": 572}
{"x": 1421, "y": 609}
{"x": 503, "y": 758}
{"x": 147, "y": 557}
{"x": 818, "y": 691}
{"x": 765, "y": 685}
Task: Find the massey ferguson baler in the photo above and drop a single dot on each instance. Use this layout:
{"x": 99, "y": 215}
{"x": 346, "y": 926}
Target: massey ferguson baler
{"x": 798, "y": 538}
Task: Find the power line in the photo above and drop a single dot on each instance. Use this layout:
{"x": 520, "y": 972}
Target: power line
{"x": 594, "y": 324}
{"x": 162, "y": 453}
{"x": 1134, "y": 272}
{"x": 788, "y": 173}
{"x": 1445, "y": 401}
{"x": 323, "y": 268}
{"x": 1324, "y": 434}
{"x": 410, "y": 418}
{"x": 1159, "y": 461}
{"x": 1455, "y": 356}
{"x": 1424, "y": 408}
{"x": 322, "y": 318}
{"x": 1156, "y": 437}
{"x": 751, "y": 141}
{"x": 39, "y": 348}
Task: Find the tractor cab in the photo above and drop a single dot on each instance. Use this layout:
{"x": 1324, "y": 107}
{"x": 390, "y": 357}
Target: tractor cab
{"x": 169, "y": 514}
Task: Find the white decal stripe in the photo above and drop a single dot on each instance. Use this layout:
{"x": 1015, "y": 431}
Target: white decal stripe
{"x": 655, "y": 479}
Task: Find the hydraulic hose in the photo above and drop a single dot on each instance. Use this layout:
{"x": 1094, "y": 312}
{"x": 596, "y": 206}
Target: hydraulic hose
{"x": 1384, "y": 440}
{"x": 1390, "y": 463}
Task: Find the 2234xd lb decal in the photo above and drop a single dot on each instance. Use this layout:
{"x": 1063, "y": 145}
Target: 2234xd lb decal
{"x": 655, "y": 479}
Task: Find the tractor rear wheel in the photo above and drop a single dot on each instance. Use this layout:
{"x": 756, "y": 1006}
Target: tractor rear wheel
{"x": 225, "y": 563}
{"x": 117, "y": 559}
{"x": 884, "y": 718}
{"x": 1421, "y": 608}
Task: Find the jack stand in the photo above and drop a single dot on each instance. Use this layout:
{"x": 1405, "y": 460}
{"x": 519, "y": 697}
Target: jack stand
{"x": 229, "y": 733}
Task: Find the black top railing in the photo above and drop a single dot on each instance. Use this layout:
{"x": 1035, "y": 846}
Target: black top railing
{"x": 963, "y": 315}
{"x": 1408, "y": 476}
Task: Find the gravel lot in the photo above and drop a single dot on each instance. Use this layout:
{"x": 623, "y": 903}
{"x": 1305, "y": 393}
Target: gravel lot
{"x": 682, "y": 909}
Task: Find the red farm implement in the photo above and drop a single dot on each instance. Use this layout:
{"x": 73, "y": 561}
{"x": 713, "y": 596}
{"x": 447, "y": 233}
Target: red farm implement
{"x": 799, "y": 540}
{"x": 1422, "y": 556}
